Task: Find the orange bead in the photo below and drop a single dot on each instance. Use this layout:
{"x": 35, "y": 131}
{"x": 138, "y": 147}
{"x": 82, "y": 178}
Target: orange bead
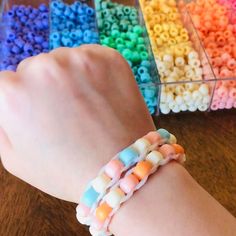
{"x": 103, "y": 211}
{"x": 142, "y": 169}
{"x": 178, "y": 149}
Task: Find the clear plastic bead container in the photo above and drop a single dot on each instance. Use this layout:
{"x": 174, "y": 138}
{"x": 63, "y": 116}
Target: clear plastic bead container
{"x": 121, "y": 26}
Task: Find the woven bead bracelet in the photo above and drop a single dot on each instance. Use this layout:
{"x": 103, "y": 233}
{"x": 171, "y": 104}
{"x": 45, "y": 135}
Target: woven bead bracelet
{"x": 133, "y": 180}
{"x": 110, "y": 174}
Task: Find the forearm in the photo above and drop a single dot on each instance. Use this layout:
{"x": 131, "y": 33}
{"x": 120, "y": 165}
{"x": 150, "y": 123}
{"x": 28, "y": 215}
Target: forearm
{"x": 172, "y": 203}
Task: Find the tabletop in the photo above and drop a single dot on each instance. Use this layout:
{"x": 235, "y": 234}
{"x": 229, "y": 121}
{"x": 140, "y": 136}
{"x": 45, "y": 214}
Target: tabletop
{"x": 210, "y": 142}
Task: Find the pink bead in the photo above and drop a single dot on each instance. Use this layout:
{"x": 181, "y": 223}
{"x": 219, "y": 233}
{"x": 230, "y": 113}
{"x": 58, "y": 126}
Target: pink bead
{"x": 225, "y": 73}
{"x": 222, "y": 105}
{"x": 231, "y": 64}
{"x": 114, "y": 168}
{"x": 229, "y": 105}
{"x": 235, "y": 105}
{"x": 232, "y": 93}
{"x": 222, "y": 91}
{"x": 129, "y": 183}
{"x": 214, "y": 106}
{"x": 153, "y": 137}
{"x": 225, "y": 57}
{"x": 83, "y": 210}
{"x": 167, "y": 150}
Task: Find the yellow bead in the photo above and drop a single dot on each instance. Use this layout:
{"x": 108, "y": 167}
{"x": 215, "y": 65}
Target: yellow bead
{"x": 164, "y": 37}
{"x": 173, "y": 31}
{"x": 157, "y": 28}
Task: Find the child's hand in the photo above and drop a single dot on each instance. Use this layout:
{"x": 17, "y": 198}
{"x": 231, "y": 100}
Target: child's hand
{"x": 63, "y": 115}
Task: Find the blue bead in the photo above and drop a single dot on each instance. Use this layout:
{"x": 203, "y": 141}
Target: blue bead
{"x": 84, "y": 26}
{"x": 43, "y": 7}
{"x": 142, "y": 70}
{"x": 11, "y": 67}
{"x": 89, "y": 11}
{"x": 38, "y": 39}
{"x": 146, "y": 64}
{"x": 19, "y": 12}
{"x": 23, "y": 19}
{"x": 15, "y": 49}
{"x": 32, "y": 16}
{"x": 128, "y": 156}
{"x": 86, "y": 39}
{"x": 67, "y": 42}
{"x": 88, "y": 33}
{"x": 27, "y": 10}
{"x": 45, "y": 45}
{"x": 164, "y": 133}
{"x": 150, "y": 92}
{"x": 79, "y": 33}
{"x": 28, "y": 48}
{"x": 55, "y": 36}
{"x": 90, "y": 197}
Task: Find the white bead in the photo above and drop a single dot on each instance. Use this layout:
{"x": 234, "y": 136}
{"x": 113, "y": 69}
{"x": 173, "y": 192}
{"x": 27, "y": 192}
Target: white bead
{"x": 183, "y": 107}
{"x": 198, "y": 71}
{"x": 206, "y": 99}
{"x": 191, "y": 86}
{"x": 100, "y": 183}
{"x": 192, "y": 108}
{"x": 193, "y": 55}
{"x": 170, "y": 79}
{"x": 187, "y": 68}
{"x": 172, "y": 139}
{"x": 168, "y": 58}
{"x": 161, "y": 66}
{"x": 196, "y": 94}
{"x": 176, "y": 109}
{"x": 202, "y": 107}
{"x": 114, "y": 198}
{"x": 179, "y": 100}
{"x": 164, "y": 109}
{"x": 172, "y": 104}
{"x": 189, "y": 74}
{"x": 187, "y": 95}
{"x": 142, "y": 145}
{"x": 169, "y": 97}
{"x": 154, "y": 157}
{"x": 179, "y": 89}
{"x": 195, "y": 63}
{"x": 204, "y": 89}
{"x": 179, "y": 61}
{"x": 167, "y": 72}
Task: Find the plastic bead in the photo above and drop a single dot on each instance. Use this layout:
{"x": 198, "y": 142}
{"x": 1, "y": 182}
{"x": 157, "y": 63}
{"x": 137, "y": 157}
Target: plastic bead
{"x": 90, "y": 197}
{"x": 154, "y": 157}
{"x": 103, "y": 211}
{"x": 142, "y": 145}
{"x": 128, "y": 156}
{"x": 128, "y": 183}
{"x": 114, "y": 197}
{"x": 114, "y": 168}
{"x": 142, "y": 169}
{"x": 100, "y": 183}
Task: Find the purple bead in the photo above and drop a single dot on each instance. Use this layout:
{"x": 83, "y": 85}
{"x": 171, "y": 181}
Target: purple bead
{"x": 38, "y": 39}
{"x": 19, "y": 12}
{"x": 11, "y": 67}
{"x": 39, "y": 24}
{"x": 43, "y": 8}
{"x": 28, "y": 10}
{"x": 45, "y": 24}
{"x": 32, "y": 16}
{"x": 20, "y": 43}
{"x": 23, "y": 19}
{"x": 45, "y": 45}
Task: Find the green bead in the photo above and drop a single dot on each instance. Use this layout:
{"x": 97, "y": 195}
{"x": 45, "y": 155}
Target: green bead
{"x": 129, "y": 44}
{"x": 112, "y": 45}
{"x": 102, "y": 37}
{"x": 127, "y": 54}
{"x": 123, "y": 35}
{"x": 135, "y": 57}
{"x": 132, "y": 36}
{"x": 105, "y": 41}
{"x": 120, "y": 47}
{"x": 115, "y": 33}
{"x": 119, "y": 41}
{"x": 140, "y": 40}
{"x": 138, "y": 29}
{"x": 144, "y": 55}
{"x": 141, "y": 47}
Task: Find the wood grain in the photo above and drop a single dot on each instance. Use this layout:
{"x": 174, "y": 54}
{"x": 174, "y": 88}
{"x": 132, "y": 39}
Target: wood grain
{"x": 210, "y": 141}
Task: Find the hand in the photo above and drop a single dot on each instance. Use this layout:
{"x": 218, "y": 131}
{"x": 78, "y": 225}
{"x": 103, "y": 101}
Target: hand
{"x": 65, "y": 114}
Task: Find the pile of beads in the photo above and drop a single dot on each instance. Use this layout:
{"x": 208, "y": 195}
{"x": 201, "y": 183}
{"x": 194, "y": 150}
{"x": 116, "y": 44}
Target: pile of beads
{"x": 178, "y": 64}
{"x": 27, "y": 33}
{"x": 120, "y": 29}
{"x": 217, "y": 34}
{"x": 72, "y": 24}
{"x": 106, "y": 193}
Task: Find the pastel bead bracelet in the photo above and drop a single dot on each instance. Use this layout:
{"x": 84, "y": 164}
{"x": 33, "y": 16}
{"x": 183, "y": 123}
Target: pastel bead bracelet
{"x": 133, "y": 180}
{"x": 91, "y": 202}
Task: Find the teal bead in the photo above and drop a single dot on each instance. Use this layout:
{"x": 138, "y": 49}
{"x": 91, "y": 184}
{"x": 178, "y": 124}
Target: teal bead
{"x": 128, "y": 156}
{"x": 133, "y": 16}
{"x": 123, "y": 35}
{"x": 104, "y": 5}
{"x": 142, "y": 70}
{"x": 150, "y": 92}
{"x": 146, "y": 64}
{"x": 107, "y": 25}
{"x": 130, "y": 63}
{"x": 120, "y": 47}
{"x": 115, "y": 33}
{"x": 138, "y": 29}
{"x": 115, "y": 26}
{"x": 134, "y": 22}
{"x": 111, "y": 19}
{"x": 132, "y": 36}
{"x": 144, "y": 55}
{"x": 164, "y": 133}
{"x": 90, "y": 197}
{"x": 135, "y": 69}
{"x": 145, "y": 77}
{"x": 123, "y": 26}
{"x": 127, "y": 10}
{"x": 102, "y": 37}
{"x": 140, "y": 40}
{"x": 119, "y": 13}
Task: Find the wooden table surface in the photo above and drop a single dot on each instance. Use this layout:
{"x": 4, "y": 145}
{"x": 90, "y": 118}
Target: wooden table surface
{"x": 210, "y": 141}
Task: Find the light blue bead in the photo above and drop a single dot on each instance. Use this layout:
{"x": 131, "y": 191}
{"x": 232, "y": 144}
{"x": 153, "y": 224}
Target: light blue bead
{"x": 150, "y": 92}
{"x": 90, "y": 197}
{"x": 146, "y": 63}
{"x": 164, "y": 133}
{"x": 66, "y": 42}
{"x": 145, "y": 77}
{"x": 128, "y": 156}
